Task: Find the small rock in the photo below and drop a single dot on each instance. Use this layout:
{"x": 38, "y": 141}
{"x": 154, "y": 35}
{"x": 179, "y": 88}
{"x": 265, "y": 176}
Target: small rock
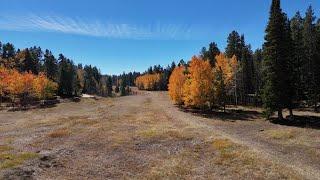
{"x": 45, "y": 158}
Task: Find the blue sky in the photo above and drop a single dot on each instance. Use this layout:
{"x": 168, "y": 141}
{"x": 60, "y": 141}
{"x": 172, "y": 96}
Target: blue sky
{"x": 127, "y": 35}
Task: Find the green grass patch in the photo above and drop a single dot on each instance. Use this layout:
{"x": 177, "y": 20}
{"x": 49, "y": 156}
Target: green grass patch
{"x": 149, "y": 133}
{"x": 9, "y": 160}
{"x": 4, "y": 148}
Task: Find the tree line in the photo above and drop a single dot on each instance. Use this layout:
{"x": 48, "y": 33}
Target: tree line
{"x": 283, "y": 74}
{"x": 156, "y": 78}
{"x": 70, "y": 79}
{"x": 291, "y": 56}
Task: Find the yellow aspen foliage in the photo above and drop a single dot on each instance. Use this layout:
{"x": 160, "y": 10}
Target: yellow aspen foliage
{"x": 227, "y": 66}
{"x": 176, "y": 84}
{"x": 148, "y": 82}
{"x": 201, "y": 85}
{"x": 43, "y": 87}
{"x": 234, "y": 64}
{"x": 224, "y": 70}
{"x": 198, "y": 88}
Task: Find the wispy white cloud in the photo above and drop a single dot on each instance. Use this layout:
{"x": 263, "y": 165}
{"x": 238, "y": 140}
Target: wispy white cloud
{"x": 96, "y": 28}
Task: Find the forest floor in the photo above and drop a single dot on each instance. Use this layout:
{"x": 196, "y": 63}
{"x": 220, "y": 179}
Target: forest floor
{"x": 146, "y": 137}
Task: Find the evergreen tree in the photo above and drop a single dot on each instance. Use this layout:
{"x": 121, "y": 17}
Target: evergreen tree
{"x": 310, "y": 68}
{"x": 78, "y": 81}
{"x": 317, "y": 66}
{"x": 37, "y": 60}
{"x": 30, "y": 64}
{"x": 257, "y": 61}
{"x": 123, "y": 86}
{"x": 247, "y": 69}
{"x": 290, "y": 90}
{"x": 182, "y": 63}
{"x": 109, "y": 86}
{"x": 211, "y": 53}
{"x": 276, "y": 60}
{"x": 66, "y": 76}
{"x": 296, "y": 26}
{"x": 51, "y": 65}
{"x": 91, "y": 80}
{"x": 234, "y": 46}
{"x": 8, "y": 51}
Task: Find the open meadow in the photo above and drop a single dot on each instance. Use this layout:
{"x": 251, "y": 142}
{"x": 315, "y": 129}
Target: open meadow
{"x": 146, "y": 137}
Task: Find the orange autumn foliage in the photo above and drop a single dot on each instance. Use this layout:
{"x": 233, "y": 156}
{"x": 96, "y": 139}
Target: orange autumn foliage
{"x": 16, "y": 84}
{"x": 199, "y": 85}
{"x": 148, "y": 81}
{"x": 176, "y": 83}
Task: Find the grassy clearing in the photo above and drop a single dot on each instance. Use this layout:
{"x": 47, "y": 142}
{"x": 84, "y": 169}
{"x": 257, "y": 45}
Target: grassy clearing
{"x": 142, "y": 141}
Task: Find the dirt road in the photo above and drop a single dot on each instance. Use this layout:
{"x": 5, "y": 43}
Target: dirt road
{"x": 146, "y": 137}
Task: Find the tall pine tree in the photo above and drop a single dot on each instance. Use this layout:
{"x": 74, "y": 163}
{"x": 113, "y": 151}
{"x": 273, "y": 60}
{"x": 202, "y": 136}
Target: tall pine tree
{"x": 30, "y": 64}
{"x": 296, "y": 26}
{"x": 275, "y": 97}
{"x": 211, "y": 53}
{"x": 234, "y": 46}
{"x": 310, "y": 68}
{"x": 317, "y": 66}
{"x": 51, "y": 66}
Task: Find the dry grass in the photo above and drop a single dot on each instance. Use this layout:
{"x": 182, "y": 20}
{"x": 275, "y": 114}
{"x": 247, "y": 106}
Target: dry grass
{"x": 175, "y": 167}
{"x": 4, "y": 148}
{"x": 59, "y": 133}
{"x": 281, "y": 134}
{"x": 222, "y": 144}
{"x": 150, "y": 133}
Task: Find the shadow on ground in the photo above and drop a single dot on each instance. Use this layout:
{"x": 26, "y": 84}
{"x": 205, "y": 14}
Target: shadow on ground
{"x": 229, "y": 115}
{"x": 299, "y": 121}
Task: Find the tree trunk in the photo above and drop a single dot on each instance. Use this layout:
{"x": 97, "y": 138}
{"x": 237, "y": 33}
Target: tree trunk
{"x": 280, "y": 115}
{"x": 291, "y": 114}
{"x": 13, "y": 103}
